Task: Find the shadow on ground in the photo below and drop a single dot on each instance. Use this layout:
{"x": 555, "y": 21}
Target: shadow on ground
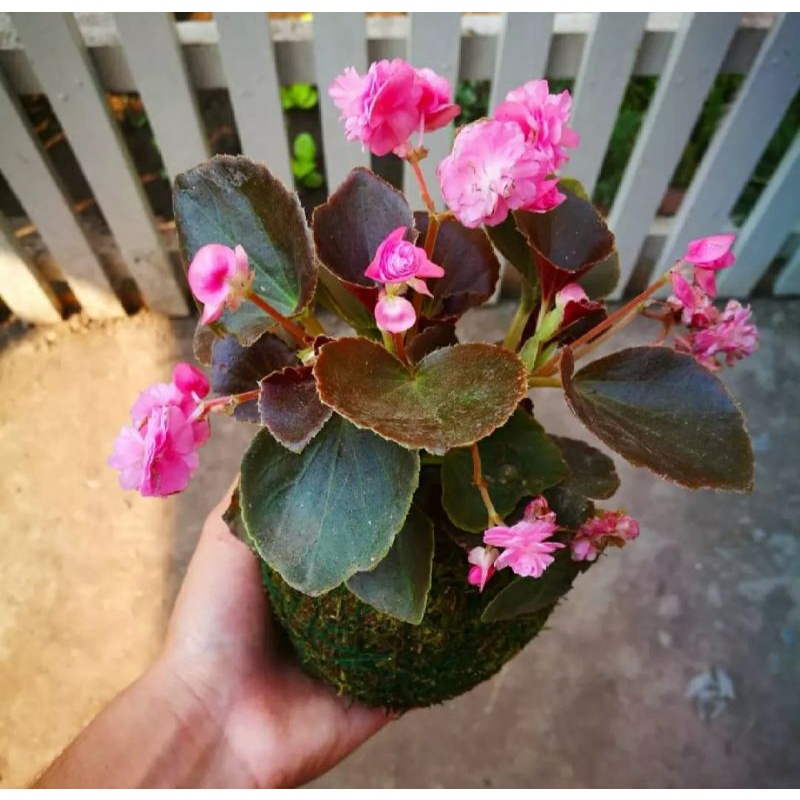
{"x": 707, "y": 600}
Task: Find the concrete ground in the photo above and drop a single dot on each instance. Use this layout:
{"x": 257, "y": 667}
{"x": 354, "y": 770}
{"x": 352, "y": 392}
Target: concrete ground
{"x": 674, "y": 664}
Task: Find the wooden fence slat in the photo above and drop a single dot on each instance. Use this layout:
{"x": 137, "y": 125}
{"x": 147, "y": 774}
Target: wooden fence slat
{"x": 742, "y": 137}
{"x": 696, "y": 54}
{"x": 155, "y": 57}
{"x": 434, "y": 42}
{"x": 248, "y": 60}
{"x": 522, "y": 49}
{"x": 766, "y": 229}
{"x": 788, "y": 281}
{"x": 608, "y": 58}
{"x": 61, "y": 64}
{"x": 20, "y": 286}
{"x": 340, "y": 40}
{"x": 26, "y": 167}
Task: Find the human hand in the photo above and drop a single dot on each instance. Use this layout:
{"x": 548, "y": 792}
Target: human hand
{"x": 276, "y": 727}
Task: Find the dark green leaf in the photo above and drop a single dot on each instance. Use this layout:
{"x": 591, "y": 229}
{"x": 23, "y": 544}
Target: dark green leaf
{"x": 513, "y": 247}
{"x": 451, "y": 398}
{"x": 232, "y": 200}
{"x": 566, "y": 242}
{"x": 202, "y": 342}
{"x": 529, "y": 595}
{"x": 603, "y": 278}
{"x": 662, "y": 410}
{"x": 290, "y": 408}
{"x": 358, "y": 216}
{"x": 518, "y": 460}
{"x": 434, "y": 337}
{"x": 233, "y": 519}
{"x": 338, "y": 297}
{"x": 236, "y": 369}
{"x": 331, "y": 511}
{"x": 470, "y": 268}
{"x": 592, "y": 473}
{"x": 571, "y": 509}
{"x": 399, "y": 585}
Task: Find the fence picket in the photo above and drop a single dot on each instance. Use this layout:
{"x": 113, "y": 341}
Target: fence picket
{"x": 522, "y": 49}
{"x": 59, "y": 59}
{"x": 696, "y": 54}
{"x": 788, "y": 281}
{"x": 340, "y": 40}
{"x": 435, "y": 42}
{"x": 608, "y": 58}
{"x": 248, "y": 59}
{"x": 742, "y": 137}
{"x": 22, "y": 291}
{"x": 26, "y": 167}
{"x": 766, "y": 229}
{"x": 155, "y": 57}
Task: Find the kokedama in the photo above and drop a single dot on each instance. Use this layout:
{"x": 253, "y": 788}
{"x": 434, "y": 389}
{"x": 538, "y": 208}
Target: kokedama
{"x": 416, "y": 524}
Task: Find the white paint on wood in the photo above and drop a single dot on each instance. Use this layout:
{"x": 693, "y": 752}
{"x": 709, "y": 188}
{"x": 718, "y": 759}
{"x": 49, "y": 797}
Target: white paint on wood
{"x": 249, "y": 63}
{"x": 694, "y": 59}
{"x": 27, "y": 169}
{"x": 608, "y": 59}
{"x": 434, "y": 42}
{"x": 522, "y": 50}
{"x": 340, "y": 40}
{"x": 155, "y": 57}
{"x": 740, "y": 140}
{"x": 767, "y": 227}
{"x": 59, "y": 59}
{"x": 20, "y": 286}
{"x": 788, "y": 281}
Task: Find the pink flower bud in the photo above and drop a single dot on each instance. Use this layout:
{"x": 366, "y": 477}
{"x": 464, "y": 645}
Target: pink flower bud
{"x": 483, "y": 559}
{"x": 219, "y": 277}
{"x": 436, "y": 106}
{"x": 571, "y": 293}
{"x": 394, "y": 313}
{"x": 399, "y": 261}
{"x": 711, "y": 252}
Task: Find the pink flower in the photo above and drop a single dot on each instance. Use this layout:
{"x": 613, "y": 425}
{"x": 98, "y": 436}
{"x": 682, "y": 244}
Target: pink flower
{"x": 526, "y": 551}
{"x": 156, "y": 455}
{"x": 483, "y": 559}
{"x": 394, "y": 313}
{"x": 542, "y": 118}
{"x": 538, "y": 508}
{"x": 692, "y": 302}
{"x": 382, "y": 108}
{"x": 571, "y": 293}
{"x": 490, "y": 172}
{"x": 399, "y": 261}
{"x": 220, "y": 278}
{"x": 436, "y": 107}
{"x": 709, "y": 254}
{"x": 611, "y": 528}
{"x": 732, "y": 337}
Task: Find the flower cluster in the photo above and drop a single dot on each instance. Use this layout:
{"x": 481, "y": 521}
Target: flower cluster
{"x": 399, "y": 264}
{"x": 729, "y": 334}
{"x": 509, "y": 162}
{"x": 392, "y": 101}
{"x": 157, "y": 453}
{"x": 610, "y": 528}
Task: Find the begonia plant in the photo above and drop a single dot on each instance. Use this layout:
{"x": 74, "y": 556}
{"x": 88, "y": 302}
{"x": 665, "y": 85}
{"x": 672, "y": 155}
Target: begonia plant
{"x": 415, "y": 522}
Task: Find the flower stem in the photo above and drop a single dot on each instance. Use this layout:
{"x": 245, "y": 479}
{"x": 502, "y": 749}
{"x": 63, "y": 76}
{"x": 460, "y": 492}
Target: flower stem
{"x": 296, "y": 332}
{"x": 226, "y": 403}
{"x": 413, "y": 159}
{"x": 400, "y": 346}
{"x": 480, "y": 484}
{"x": 520, "y": 318}
{"x": 312, "y": 324}
{"x": 619, "y": 319}
{"x": 542, "y": 382}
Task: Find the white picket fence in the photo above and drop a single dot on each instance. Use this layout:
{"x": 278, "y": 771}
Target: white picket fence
{"x": 75, "y": 59}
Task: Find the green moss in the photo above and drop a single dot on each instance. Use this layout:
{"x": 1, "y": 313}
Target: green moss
{"x": 384, "y": 662}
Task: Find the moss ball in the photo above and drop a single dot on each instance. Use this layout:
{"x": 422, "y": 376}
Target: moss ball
{"x": 382, "y": 661}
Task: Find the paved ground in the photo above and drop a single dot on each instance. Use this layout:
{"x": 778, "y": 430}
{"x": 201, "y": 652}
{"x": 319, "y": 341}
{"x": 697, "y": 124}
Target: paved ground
{"x": 708, "y": 598}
